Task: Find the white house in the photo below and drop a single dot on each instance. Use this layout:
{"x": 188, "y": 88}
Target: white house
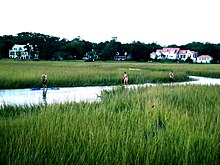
{"x": 171, "y": 53}
{"x": 204, "y": 59}
{"x": 184, "y": 54}
{"x": 18, "y": 51}
{"x": 24, "y": 52}
{"x": 174, "y": 54}
{"x": 157, "y": 55}
{"x": 153, "y": 55}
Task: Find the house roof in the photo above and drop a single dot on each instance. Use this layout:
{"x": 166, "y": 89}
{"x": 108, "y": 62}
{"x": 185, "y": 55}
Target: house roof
{"x": 205, "y": 56}
{"x": 159, "y": 50}
{"x": 171, "y": 49}
{"x": 17, "y": 45}
{"x": 183, "y": 51}
{"x": 174, "y": 50}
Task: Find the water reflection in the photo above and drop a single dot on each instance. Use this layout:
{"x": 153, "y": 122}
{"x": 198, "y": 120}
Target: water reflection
{"x": 76, "y": 94}
{"x": 44, "y": 96}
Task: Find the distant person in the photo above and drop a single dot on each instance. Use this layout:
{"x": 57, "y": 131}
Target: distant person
{"x": 171, "y": 76}
{"x": 125, "y": 79}
{"x": 44, "y": 80}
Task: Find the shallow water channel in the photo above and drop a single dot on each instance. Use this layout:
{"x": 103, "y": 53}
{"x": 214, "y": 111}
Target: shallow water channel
{"x": 76, "y": 94}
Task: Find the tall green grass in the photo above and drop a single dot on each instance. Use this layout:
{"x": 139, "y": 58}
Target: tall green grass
{"x": 27, "y": 74}
{"x": 148, "y": 125}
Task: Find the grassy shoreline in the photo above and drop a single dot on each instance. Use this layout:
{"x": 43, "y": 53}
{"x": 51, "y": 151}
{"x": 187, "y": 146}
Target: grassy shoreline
{"x": 27, "y": 74}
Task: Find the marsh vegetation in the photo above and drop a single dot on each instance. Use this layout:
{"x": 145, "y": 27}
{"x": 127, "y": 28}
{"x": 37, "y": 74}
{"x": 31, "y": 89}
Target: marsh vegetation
{"x": 27, "y": 74}
{"x": 148, "y": 125}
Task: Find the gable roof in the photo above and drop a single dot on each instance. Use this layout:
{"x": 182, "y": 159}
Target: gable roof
{"x": 183, "y": 51}
{"x": 17, "y": 45}
{"x": 159, "y": 51}
{"x": 205, "y": 56}
{"x": 175, "y": 50}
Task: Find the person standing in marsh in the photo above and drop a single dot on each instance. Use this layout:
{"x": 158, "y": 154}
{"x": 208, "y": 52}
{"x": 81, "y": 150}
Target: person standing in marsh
{"x": 44, "y": 83}
{"x": 125, "y": 79}
{"x": 44, "y": 80}
{"x": 171, "y": 76}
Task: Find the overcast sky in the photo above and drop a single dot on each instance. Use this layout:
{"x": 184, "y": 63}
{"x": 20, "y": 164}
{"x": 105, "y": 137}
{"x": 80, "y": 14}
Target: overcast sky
{"x": 162, "y": 21}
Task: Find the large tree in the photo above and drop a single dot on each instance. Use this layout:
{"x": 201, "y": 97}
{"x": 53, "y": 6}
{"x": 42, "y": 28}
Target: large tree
{"x": 77, "y": 48}
{"x": 138, "y": 50}
{"x": 6, "y": 43}
{"x": 110, "y": 49}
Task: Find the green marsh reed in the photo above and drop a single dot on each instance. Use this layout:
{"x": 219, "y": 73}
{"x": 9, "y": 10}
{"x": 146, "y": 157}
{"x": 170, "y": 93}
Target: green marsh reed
{"x": 27, "y": 74}
{"x": 147, "y": 125}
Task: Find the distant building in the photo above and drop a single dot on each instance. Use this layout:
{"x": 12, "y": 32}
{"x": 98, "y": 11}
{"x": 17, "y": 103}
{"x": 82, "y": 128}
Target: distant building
{"x": 185, "y": 54}
{"x": 24, "y": 52}
{"x": 174, "y": 54}
{"x": 18, "y": 51}
{"x": 204, "y": 59}
{"x": 120, "y": 55}
{"x": 171, "y": 53}
{"x": 91, "y": 56}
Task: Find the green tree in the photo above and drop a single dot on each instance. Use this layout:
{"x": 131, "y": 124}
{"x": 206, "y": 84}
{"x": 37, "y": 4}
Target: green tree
{"x": 77, "y": 48}
{"x": 138, "y": 50}
{"x": 6, "y": 43}
{"x": 110, "y": 50}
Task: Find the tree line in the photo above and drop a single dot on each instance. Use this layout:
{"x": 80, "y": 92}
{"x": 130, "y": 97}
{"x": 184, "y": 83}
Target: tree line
{"x": 51, "y": 47}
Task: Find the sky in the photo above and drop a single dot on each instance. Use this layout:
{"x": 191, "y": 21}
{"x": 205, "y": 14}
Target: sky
{"x": 165, "y": 22}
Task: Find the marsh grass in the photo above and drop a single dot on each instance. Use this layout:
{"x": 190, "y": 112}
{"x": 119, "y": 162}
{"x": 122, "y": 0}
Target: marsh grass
{"x": 147, "y": 125}
{"x": 27, "y": 74}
